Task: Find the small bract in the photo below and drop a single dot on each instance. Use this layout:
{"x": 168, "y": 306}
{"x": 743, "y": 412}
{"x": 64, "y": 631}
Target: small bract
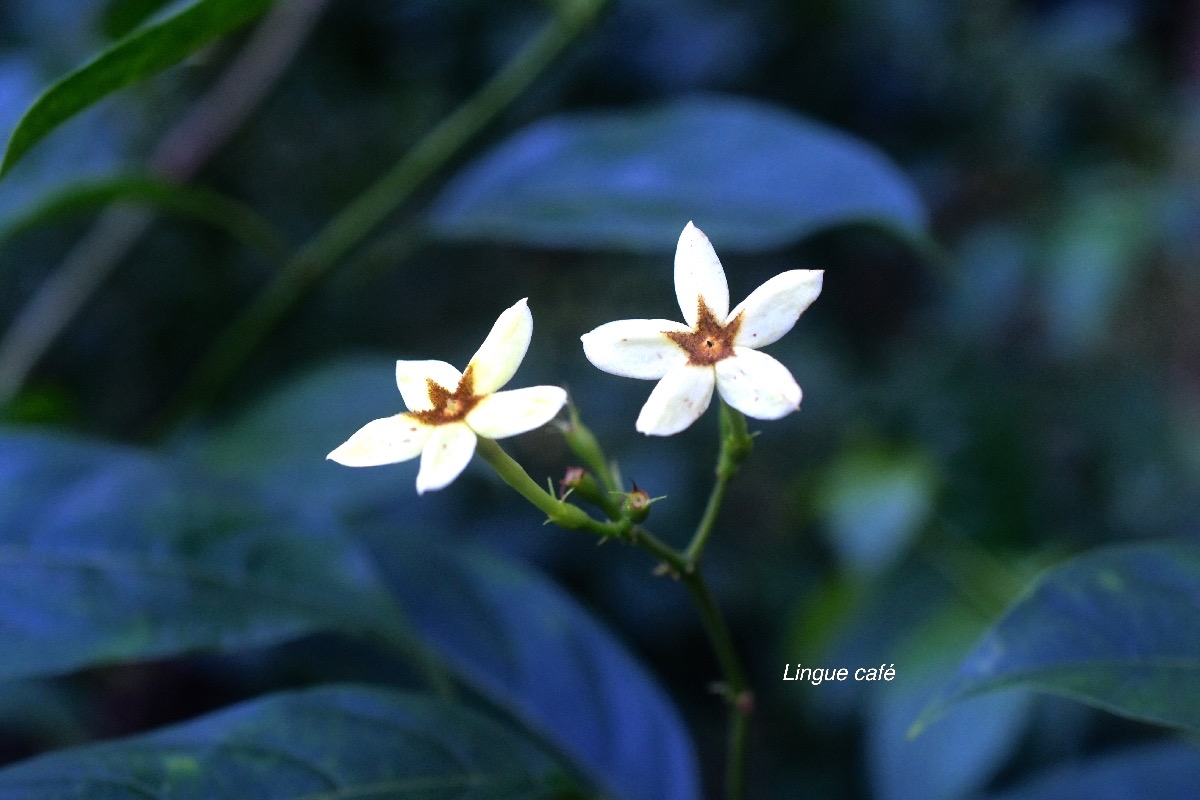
{"x": 716, "y": 348}
{"x": 448, "y": 409}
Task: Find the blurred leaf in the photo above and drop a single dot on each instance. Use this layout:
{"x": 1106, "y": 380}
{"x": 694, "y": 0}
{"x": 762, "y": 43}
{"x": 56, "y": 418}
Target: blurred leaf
{"x": 1115, "y": 628}
{"x": 143, "y": 54}
{"x": 239, "y": 220}
{"x": 281, "y": 441}
{"x": 122, "y": 16}
{"x": 1164, "y": 771}
{"x": 1094, "y": 251}
{"x": 107, "y": 555}
{"x": 991, "y": 285}
{"x": 511, "y": 635}
{"x": 42, "y": 712}
{"x": 45, "y": 405}
{"x": 962, "y": 751}
{"x": 753, "y": 176}
{"x": 522, "y": 643}
{"x": 320, "y": 743}
{"x": 823, "y": 613}
{"x": 873, "y": 505}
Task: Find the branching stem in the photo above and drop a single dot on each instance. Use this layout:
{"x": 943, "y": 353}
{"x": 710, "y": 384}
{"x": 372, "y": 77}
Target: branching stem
{"x": 734, "y": 687}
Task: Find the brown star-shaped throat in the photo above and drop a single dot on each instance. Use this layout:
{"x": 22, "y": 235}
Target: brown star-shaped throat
{"x": 449, "y": 406}
{"x": 708, "y": 341}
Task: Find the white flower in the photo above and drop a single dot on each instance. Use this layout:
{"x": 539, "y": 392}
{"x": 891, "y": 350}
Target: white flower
{"x": 447, "y": 409}
{"x": 717, "y": 347}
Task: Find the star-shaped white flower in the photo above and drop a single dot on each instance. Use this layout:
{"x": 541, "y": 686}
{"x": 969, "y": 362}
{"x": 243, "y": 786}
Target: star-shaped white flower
{"x": 448, "y": 409}
{"x": 716, "y": 348}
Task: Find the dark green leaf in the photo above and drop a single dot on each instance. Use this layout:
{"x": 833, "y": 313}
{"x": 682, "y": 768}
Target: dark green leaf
{"x": 42, "y": 712}
{"x": 107, "y": 555}
{"x": 512, "y": 635}
{"x": 281, "y": 442}
{"x": 874, "y": 503}
{"x": 960, "y": 753}
{"x": 122, "y": 16}
{"x": 204, "y": 205}
{"x": 143, "y": 54}
{"x": 320, "y": 744}
{"x": 1164, "y": 771}
{"x": 1092, "y": 256}
{"x": 524, "y": 644}
{"x": 1116, "y": 628}
{"x": 752, "y": 176}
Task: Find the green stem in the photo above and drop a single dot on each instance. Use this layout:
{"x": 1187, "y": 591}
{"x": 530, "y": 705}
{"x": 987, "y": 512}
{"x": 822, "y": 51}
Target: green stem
{"x": 583, "y": 443}
{"x": 672, "y": 558}
{"x": 736, "y": 444}
{"x": 372, "y": 207}
{"x": 736, "y": 689}
{"x": 561, "y": 513}
{"x": 705, "y": 528}
{"x": 187, "y": 146}
{"x": 735, "y": 755}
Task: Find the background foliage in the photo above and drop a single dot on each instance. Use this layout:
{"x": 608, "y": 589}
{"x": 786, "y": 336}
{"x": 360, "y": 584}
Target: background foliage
{"x": 1000, "y": 405}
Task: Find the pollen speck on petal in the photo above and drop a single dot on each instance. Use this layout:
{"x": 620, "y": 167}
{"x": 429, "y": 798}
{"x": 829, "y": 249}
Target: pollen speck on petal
{"x": 677, "y": 401}
{"x": 445, "y": 456}
{"x": 773, "y": 308}
{"x": 505, "y": 414}
{"x": 389, "y": 440}
{"x": 757, "y": 385}
{"x": 635, "y": 348}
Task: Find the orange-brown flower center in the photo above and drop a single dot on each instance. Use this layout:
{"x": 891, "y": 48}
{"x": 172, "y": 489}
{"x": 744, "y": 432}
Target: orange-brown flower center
{"x": 449, "y": 406}
{"x": 708, "y": 341}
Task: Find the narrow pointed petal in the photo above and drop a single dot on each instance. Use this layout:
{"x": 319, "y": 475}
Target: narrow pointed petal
{"x": 412, "y": 377}
{"x": 773, "y": 308}
{"x": 677, "y": 401}
{"x": 509, "y": 413}
{"x": 757, "y": 385}
{"x": 445, "y": 456}
{"x": 497, "y": 359}
{"x": 698, "y": 274}
{"x": 635, "y": 348}
{"x": 383, "y": 441}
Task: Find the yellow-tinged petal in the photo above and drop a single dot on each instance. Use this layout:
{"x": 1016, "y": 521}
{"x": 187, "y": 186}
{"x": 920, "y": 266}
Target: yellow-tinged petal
{"x": 508, "y": 413}
{"x": 757, "y": 385}
{"x": 635, "y": 348}
{"x": 698, "y": 275}
{"x": 383, "y": 441}
{"x": 773, "y": 308}
{"x": 445, "y": 456}
{"x": 412, "y": 377}
{"x": 677, "y": 401}
{"x": 497, "y": 359}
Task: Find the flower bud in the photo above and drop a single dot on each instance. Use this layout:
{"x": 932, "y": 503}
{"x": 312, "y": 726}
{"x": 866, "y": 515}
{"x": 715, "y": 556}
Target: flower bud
{"x": 580, "y": 482}
{"x": 583, "y": 442}
{"x": 637, "y": 504}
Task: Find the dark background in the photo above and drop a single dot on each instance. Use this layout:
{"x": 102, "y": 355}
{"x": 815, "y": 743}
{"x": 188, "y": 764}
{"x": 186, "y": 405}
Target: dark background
{"x": 967, "y": 421}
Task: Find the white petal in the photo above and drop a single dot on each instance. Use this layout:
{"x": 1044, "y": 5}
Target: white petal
{"x": 635, "y": 348}
{"x": 677, "y": 401}
{"x": 757, "y": 385}
{"x": 497, "y": 359}
{"x": 509, "y": 413}
{"x": 445, "y": 456}
{"x": 698, "y": 274}
{"x": 773, "y": 308}
{"x": 383, "y": 441}
{"x": 412, "y": 377}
